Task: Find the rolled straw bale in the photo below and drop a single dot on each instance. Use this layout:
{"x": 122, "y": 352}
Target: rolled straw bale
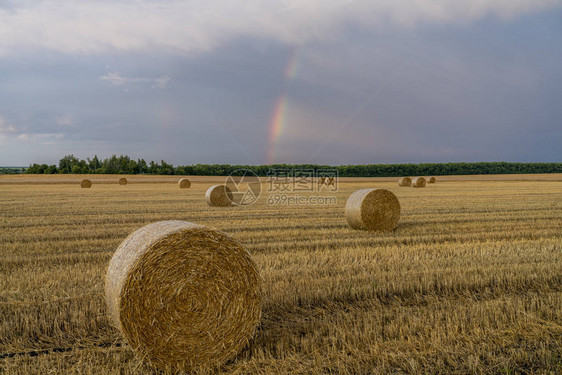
{"x": 184, "y": 296}
{"x": 184, "y": 183}
{"x": 372, "y": 209}
{"x": 219, "y": 196}
{"x": 122, "y": 181}
{"x": 405, "y": 181}
{"x": 431, "y": 180}
{"x": 418, "y": 182}
{"x": 85, "y": 183}
{"x": 321, "y": 180}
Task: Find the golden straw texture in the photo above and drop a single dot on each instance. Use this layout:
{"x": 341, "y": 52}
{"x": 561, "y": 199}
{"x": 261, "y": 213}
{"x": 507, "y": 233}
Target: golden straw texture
{"x": 219, "y": 196}
{"x": 405, "y": 181}
{"x": 122, "y": 181}
{"x": 431, "y": 180}
{"x": 85, "y": 183}
{"x": 185, "y": 297}
{"x": 372, "y": 209}
{"x": 184, "y": 183}
{"x": 418, "y": 182}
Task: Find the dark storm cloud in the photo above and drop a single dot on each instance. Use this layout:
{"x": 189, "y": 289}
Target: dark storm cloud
{"x": 484, "y": 85}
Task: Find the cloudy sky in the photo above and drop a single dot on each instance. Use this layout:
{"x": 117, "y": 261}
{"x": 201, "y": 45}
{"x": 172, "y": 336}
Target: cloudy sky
{"x": 298, "y": 81}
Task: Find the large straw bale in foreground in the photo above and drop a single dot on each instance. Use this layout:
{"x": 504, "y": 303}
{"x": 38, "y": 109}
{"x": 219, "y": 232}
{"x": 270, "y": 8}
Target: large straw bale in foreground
{"x": 183, "y": 295}
{"x": 431, "y": 180}
{"x": 219, "y": 196}
{"x": 184, "y": 183}
{"x": 418, "y": 182}
{"x": 405, "y": 181}
{"x": 122, "y": 181}
{"x": 372, "y": 209}
{"x": 85, "y": 183}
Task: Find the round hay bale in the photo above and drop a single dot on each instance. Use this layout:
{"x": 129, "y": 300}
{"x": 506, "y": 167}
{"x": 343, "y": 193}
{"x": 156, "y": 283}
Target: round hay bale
{"x": 122, "y": 181}
{"x": 321, "y": 180}
{"x": 184, "y": 183}
{"x": 418, "y": 182}
{"x": 219, "y": 196}
{"x": 372, "y": 209}
{"x": 184, "y": 296}
{"x": 431, "y": 180}
{"x": 405, "y": 181}
{"x": 86, "y": 184}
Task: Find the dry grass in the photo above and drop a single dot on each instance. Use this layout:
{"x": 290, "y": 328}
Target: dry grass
{"x": 469, "y": 282}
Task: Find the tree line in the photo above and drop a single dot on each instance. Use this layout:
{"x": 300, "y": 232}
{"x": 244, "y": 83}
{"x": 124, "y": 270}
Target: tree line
{"x": 125, "y": 165}
{"x": 12, "y": 170}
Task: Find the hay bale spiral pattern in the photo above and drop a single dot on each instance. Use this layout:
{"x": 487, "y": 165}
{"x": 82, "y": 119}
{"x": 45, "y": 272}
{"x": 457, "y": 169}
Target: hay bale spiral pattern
{"x": 418, "y": 182}
{"x": 86, "y": 184}
{"x": 431, "y": 180}
{"x": 122, "y": 181}
{"x": 184, "y": 296}
{"x": 372, "y": 209}
{"x": 219, "y": 196}
{"x": 405, "y": 181}
{"x": 184, "y": 183}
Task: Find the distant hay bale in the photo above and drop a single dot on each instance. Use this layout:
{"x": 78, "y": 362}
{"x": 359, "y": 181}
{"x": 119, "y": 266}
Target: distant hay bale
{"x": 184, "y": 296}
{"x": 330, "y": 181}
{"x": 431, "y": 180}
{"x": 122, "y": 181}
{"x": 219, "y": 196}
{"x": 372, "y": 209}
{"x": 184, "y": 183}
{"x": 418, "y": 182}
{"x": 405, "y": 181}
{"x": 85, "y": 183}
{"x": 321, "y": 180}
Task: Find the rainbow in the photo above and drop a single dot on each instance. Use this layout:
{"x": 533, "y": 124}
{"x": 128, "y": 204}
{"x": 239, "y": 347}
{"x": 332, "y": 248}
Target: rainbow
{"x": 276, "y": 126}
{"x": 292, "y": 65}
{"x": 279, "y": 115}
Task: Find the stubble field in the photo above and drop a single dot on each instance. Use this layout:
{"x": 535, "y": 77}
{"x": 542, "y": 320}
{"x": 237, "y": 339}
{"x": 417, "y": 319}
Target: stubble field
{"x": 469, "y": 282}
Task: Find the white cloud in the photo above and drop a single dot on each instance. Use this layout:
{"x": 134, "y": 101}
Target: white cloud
{"x": 66, "y": 120}
{"x": 93, "y": 27}
{"x": 162, "y": 82}
{"x": 5, "y": 127}
{"x": 117, "y": 80}
{"x": 43, "y": 138}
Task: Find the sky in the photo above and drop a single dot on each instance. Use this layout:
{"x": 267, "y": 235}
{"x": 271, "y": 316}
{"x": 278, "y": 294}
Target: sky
{"x": 288, "y": 81}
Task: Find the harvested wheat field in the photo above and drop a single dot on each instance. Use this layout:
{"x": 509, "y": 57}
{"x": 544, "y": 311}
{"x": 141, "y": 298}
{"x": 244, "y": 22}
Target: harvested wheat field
{"x": 470, "y": 281}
